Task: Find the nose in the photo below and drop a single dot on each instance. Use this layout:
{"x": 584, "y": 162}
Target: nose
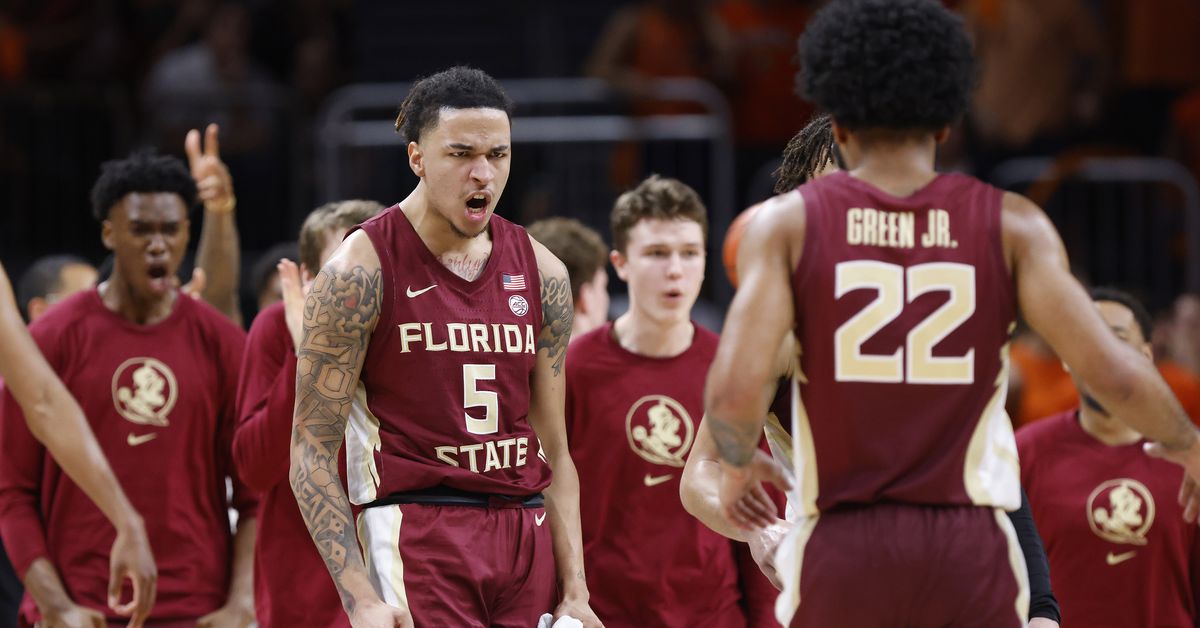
{"x": 157, "y": 243}
{"x": 675, "y": 266}
{"x": 482, "y": 170}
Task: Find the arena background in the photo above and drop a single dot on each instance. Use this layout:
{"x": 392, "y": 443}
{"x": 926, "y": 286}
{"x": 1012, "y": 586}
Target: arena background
{"x": 1092, "y": 107}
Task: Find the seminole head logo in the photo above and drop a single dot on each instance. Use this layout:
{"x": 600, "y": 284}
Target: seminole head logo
{"x": 144, "y": 391}
{"x": 659, "y": 430}
{"x": 1121, "y": 511}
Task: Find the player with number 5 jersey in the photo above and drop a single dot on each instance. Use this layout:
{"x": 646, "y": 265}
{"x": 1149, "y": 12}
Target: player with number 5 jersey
{"x": 901, "y": 286}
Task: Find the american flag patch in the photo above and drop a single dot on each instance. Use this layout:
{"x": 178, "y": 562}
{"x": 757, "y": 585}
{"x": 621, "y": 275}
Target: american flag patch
{"x": 512, "y": 282}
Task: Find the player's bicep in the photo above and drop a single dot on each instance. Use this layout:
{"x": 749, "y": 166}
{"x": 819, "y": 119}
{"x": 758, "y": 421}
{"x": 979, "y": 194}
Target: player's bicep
{"x": 548, "y": 384}
{"x": 340, "y": 313}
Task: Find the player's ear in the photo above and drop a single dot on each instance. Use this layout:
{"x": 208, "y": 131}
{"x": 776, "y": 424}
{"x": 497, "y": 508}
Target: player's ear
{"x": 416, "y": 159}
{"x": 106, "y": 235}
{"x": 619, "y": 261}
{"x": 942, "y": 134}
{"x": 840, "y": 134}
{"x": 36, "y": 307}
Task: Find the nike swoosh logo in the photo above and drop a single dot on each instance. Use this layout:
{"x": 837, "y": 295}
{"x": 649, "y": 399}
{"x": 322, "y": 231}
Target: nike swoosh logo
{"x": 416, "y": 293}
{"x": 135, "y": 440}
{"x": 1114, "y": 559}
{"x": 650, "y": 480}
{"x": 538, "y": 520}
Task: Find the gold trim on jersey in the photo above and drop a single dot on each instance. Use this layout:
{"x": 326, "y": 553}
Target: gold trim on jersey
{"x": 804, "y": 455}
{"x": 362, "y": 441}
{"x": 991, "y": 472}
{"x": 379, "y": 535}
{"x": 789, "y": 559}
{"x": 1016, "y": 559}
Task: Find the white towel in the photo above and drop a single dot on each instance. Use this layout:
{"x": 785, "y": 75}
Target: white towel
{"x": 566, "y": 621}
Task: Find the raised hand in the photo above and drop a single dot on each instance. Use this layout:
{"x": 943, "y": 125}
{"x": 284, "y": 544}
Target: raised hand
{"x": 213, "y": 182}
{"x": 295, "y": 291}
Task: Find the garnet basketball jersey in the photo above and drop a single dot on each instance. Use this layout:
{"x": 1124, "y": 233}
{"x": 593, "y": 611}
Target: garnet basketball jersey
{"x": 904, "y": 309}
{"x": 444, "y": 395}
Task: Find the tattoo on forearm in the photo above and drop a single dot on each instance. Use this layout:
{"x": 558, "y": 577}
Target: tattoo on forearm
{"x": 338, "y": 317}
{"x": 558, "y": 314}
{"x": 735, "y": 442}
{"x": 464, "y": 267}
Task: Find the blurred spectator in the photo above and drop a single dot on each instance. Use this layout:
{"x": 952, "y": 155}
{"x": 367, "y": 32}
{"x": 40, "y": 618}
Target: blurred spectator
{"x": 1040, "y": 76}
{"x": 60, "y": 40}
{"x": 50, "y": 280}
{"x": 264, "y": 277}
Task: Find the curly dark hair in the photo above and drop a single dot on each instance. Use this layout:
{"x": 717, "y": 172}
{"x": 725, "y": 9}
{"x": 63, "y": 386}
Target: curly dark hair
{"x": 887, "y": 64}
{"x": 1141, "y": 315}
{"x": 460, "y": 87}
{"x": 806, "y": 154}
{"x": 143, "y": 171}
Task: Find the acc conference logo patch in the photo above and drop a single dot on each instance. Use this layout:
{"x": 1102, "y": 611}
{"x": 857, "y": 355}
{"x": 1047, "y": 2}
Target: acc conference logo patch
{"x": 518, "y": 305}
{"x": 144, "y": 391}
{"x": 1121, "y": 511}
{"x": 659, "y": 430}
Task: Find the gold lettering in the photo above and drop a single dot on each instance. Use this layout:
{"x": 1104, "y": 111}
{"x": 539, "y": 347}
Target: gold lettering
{"x": 512, "y": 338}
{"x": 893, "y": 224}
{"x": 445, "y": 452}
{"x": 869, "y": 229}
{"x": 854, "y": 225}
{"x": 522, "y": 450}
{"x": 458, "y": 337}
{"x": 493, "y": 458}
{"x": 410, "y": 332}
{"x": 507, "y": 444}
{"x": 479, "y": 338}
{"x": 496, "y": 337}
{"x": 929, "y": 238}
{"x": 429, "y": 344}
{"x": 908, "y": 228}
{"x": 470, "y": 450}
{"x": 529, "y": 339}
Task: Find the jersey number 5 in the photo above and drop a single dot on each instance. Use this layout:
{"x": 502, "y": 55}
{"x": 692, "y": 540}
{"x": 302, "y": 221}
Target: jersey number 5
{"x": 916, "y": 358}
{"x": 473, "y": 398}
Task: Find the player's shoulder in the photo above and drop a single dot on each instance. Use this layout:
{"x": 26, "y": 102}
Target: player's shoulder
{"x": 67, "y": 315}
{"x": 1034, "y": 436}
{"x": 270, "y": 321}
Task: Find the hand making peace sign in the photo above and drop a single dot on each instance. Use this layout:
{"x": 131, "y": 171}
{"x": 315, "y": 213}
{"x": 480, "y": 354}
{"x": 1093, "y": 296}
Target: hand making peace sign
{"x": 213, "y": 182}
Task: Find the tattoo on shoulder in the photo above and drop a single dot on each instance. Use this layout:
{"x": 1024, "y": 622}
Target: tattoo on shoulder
{"x": 558, "y": 314}
{"x": 339, "y": 314}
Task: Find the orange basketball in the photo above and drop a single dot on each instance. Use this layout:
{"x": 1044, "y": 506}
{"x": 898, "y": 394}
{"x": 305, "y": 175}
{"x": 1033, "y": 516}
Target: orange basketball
{"x": 733, "y": 237}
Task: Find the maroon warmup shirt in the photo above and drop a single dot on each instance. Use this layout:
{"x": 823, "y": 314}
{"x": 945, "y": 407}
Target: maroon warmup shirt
{"x": 903, "y": 313}
{"x": 1120, "y": 552}
{"x": 631, "y": 422}
{"x": 291, "y": 586}
{"x": 160, "y": 399}
{"x": 444, "y": 395}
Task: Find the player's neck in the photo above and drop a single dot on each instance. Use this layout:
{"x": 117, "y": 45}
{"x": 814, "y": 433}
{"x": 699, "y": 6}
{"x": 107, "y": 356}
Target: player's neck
{"x": 119, "y": 297}
{"x": 898, "y": 168}
{"x": 639, "y": 335}
{"x": 1105, "y": 428}
{"x": 435, "y": 231}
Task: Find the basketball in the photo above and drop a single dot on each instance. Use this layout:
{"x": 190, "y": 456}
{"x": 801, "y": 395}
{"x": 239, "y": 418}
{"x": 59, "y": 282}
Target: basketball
{"x": 733, "y": 237}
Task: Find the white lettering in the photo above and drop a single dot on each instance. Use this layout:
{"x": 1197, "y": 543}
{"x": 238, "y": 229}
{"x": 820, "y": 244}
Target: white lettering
{"x": 522, "y": 450}
{"x": 429, "y": 344}
{"x": 471, "y": 449}
{"x": 512, "y": 338}
{"x": 479, "y": 338}
{"x": 908, "y": 229}
{"x": 445, "y": 452}
{"x": 493, "y": 457}
{"x": 854, "y": 225}
{"x": 458, "y": 337}
{"x": 529, "y": 344}
{"x": 407, "y": 335}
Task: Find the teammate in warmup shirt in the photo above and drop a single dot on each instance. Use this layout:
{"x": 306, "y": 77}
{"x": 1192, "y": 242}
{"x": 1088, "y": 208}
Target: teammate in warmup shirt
{"x": 901, "y": 287}
{"x": 811, "y": 153}
{"x": 285, "y": 594}
{"x": 634, "y": 400}
{"x": 582, "y": 251}
{"x": 155, "y": 372}
{"x": 435, "y": 339}
{"x": 1120, "y": 552}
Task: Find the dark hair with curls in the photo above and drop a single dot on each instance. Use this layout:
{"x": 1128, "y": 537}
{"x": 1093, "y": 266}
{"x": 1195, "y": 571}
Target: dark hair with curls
{"x": 806, "y": 154}
{"x": 887, "y": 64}
{"x": 1141, "y": 316}
{"x": 145, "y": 172}
{"x": 460, "y": 87}
{"x": 656, "y": 198}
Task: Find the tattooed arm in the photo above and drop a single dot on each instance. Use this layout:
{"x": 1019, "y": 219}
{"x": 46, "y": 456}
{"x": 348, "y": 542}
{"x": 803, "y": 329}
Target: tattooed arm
{"x": 740, "y": 382}
{"x": 339, "y": 316}
{"x": 547, "y": 409}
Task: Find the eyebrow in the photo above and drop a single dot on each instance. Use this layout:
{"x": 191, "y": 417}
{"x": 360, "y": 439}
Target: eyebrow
{"x": 469, "y": 147}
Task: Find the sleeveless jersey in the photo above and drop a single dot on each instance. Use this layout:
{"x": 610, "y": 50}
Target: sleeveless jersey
{"x": 444, "y": 395}
{"x": 904, "y": 309}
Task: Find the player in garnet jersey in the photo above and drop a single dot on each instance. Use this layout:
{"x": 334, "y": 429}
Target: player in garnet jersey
{"x": 1120, "y": 553}
{"x": 812, "y": 153}
{"x": 55, "y": 419}
{"x": 285, "y": 594}
{"x": 901, "y": 286}
{"x": 634, "y": 400}
{"x": 435, "y": 338}
{"x": 155, "y": 375}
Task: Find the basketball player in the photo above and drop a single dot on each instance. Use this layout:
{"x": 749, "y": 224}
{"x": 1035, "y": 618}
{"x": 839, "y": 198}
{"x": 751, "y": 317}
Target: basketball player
{"x": 811, "y": 153}
{"x": 285, "y": 594}
{"x": 155, "y": 376}
{"x": 56, "y": 421}
{"x": 435, "y": 337}
{"x": 582, "y": 251}
{"x": 901, "y": 286}
{"x": 1120, "y": 552}
{"x": 634, "y": 399}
